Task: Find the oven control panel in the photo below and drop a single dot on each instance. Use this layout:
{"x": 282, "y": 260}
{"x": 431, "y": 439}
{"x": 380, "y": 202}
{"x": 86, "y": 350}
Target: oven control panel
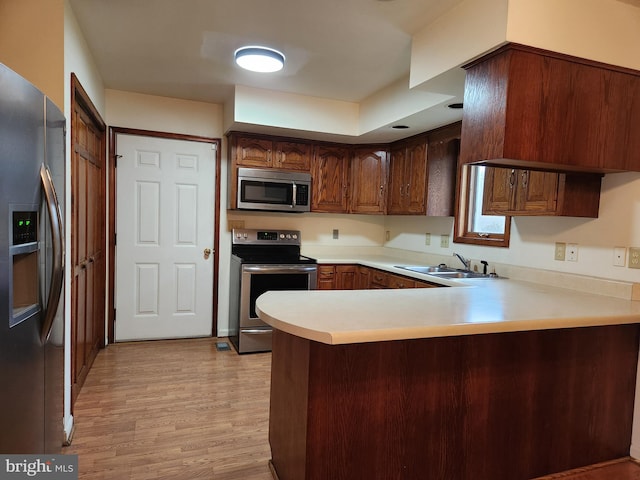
{"x": 246, "y": 236}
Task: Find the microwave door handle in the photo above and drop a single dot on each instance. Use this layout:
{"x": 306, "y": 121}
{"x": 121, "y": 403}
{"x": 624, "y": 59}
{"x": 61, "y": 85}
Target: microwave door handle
{"x": 295, "y": 194}
{"x": 57, "y": 236}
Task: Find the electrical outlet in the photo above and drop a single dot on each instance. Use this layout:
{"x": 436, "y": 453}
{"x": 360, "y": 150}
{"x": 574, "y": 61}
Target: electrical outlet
{"x": 387, "y": 235}
{"x": 336, "y": 233}
{"x": 560, "y": 251}
{"x": 444, "y": 241}
{"x": 427, "y": 239}
{"x": 634, "y": 257}
{"x": 572, "y": 252}
{"x": 619, "y": 256}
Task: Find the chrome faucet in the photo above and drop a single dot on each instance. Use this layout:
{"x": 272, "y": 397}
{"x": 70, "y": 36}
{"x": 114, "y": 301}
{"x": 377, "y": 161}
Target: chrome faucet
{"x": 467, "y": 263}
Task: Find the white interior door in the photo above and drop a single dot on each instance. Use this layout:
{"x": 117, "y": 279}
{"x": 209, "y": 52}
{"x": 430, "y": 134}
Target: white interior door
{"x": 164, "y": 226}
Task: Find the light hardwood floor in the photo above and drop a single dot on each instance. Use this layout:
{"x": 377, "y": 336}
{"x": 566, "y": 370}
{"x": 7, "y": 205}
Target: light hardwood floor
{"x": 176, "y": 410}
{"x": 622, "y": 469}
{"x": 180, "y": 409}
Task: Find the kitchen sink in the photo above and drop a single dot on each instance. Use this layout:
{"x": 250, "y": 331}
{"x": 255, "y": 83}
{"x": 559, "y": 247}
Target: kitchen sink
{"x": 443, "y": 271}
{"x": 427, "y": 269}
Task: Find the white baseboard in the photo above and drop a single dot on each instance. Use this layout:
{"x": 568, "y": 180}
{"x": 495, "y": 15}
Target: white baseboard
{"x": 69, "y": 428}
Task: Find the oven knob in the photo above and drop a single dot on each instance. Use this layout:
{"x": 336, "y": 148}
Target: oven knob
{"x": 295, "y": 236}
{"x": 246, "y": 235}
{"x": 282, "y": 235}
{"x": 288, "y": 236}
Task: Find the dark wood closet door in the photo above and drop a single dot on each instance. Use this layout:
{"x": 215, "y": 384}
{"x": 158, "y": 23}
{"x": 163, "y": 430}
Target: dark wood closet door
{"x": 87, "y": 236}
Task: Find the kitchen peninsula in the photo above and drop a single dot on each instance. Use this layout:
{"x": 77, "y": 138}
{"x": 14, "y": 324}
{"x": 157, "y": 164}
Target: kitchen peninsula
{"x": 490, "y": 379}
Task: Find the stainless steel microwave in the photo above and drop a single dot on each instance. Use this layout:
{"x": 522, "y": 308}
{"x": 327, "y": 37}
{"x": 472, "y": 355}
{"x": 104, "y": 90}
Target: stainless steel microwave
{"x": 275, "y": 190}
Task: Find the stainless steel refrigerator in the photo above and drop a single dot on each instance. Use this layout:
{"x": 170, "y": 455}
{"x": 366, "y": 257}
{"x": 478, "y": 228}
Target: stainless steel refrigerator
{"x": 32, "y": 162}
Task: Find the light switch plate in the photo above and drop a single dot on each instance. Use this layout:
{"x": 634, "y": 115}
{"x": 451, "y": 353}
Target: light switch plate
{"x": 427, "y": 239}
{"x": 572, "y": 252}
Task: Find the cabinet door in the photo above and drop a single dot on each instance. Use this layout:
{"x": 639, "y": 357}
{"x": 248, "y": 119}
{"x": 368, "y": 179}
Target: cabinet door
{"x": 499, "y": 190}
{"x": 326, "y": 277}
{"x": 330, "y": 184}
{"x": 368, "y": 181}
{"x": 396, "y": 203}
{"x": 346, "y": 277}
{"x": 292, "y": 156}
{"x": 537, "y": 192}
{"x": 398, "y": 281}
{"x": 253, "y": 152}
{"x": 378, "y": 279}
{"x": 364, "y": 277}
{"x": 442, "y": 167}
{"x": 415, "y": 175}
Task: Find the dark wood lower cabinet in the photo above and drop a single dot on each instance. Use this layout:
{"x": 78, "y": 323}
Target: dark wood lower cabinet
{"x": 510, "y": 406}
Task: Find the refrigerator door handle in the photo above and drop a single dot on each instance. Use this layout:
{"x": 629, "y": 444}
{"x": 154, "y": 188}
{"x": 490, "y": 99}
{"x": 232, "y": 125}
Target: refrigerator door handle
{"x": 57, "y": 235}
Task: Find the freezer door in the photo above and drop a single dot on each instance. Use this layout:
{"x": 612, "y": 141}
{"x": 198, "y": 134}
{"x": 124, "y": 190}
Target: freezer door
{"x": 21, "y": 352}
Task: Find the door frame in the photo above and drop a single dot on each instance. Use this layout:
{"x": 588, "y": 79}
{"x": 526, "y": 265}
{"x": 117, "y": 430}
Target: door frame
{"x": 112, "y": 165}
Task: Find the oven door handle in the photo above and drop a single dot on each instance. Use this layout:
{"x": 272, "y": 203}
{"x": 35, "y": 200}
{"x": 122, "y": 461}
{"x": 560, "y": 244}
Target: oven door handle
{"x": 257, "y": 331}
{"x": 279, "y": 269}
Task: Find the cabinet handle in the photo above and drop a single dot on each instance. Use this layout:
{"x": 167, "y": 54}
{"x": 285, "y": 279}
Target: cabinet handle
{"x": 406, "y": 191}
{"x": 401, "y": 187}
{"x": 512, "y": 178}
{"x": 381, "y": 188}
{"x": 525, "y": 178}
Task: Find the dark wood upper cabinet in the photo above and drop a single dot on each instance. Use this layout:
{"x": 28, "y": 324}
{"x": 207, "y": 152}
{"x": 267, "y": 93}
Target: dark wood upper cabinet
{"x": 534, "y": 109}
{"x": 291, "y": 155}
{"x": 253, "y": 152}
{"x": 442, "y": 167}
{"x": 265, "y": 152}
{"x": 330, "y": 172}
{"x": 368, "y": 180}
{"x": 517, "y": 192}
{"x": 422, "y": 173}
{"x": 408, "y": 178}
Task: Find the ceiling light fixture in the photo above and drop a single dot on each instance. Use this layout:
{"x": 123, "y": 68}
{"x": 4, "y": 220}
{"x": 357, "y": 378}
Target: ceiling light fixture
{"x": 259, "y": 59}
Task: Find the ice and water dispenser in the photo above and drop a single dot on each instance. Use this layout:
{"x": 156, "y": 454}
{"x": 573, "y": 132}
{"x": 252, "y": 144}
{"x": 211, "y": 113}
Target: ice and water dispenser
{"x": 24, "y": 287}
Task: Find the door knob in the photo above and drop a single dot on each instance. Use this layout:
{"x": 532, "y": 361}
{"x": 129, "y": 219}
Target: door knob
{"x": 207, "y": 252}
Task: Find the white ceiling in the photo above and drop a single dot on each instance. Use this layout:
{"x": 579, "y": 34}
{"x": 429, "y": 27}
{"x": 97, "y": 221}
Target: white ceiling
{"x": 336, "y": 49}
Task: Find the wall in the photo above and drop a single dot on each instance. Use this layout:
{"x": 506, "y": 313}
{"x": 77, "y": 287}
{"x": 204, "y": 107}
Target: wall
{"x": 77, "y": 60}
{"x": 31, "y": 43}
{"x": 148, "y": 112}
{"x": 533, "y": 238}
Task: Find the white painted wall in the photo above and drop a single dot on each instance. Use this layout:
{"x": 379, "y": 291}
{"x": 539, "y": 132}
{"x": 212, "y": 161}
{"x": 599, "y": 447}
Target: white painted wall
{"x": 468, "y": 30}
{"x": 533, "y": 238}
{"x": 77, "y": 60}
{"x": 299, "y": 112}
{"x": 602, "y": 30}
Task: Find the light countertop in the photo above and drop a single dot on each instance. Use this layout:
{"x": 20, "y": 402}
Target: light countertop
{"x": 467, "y": 307}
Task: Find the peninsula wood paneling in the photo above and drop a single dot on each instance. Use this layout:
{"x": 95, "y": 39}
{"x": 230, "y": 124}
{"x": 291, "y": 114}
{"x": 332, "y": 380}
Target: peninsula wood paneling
{"x": 510, "y": 406}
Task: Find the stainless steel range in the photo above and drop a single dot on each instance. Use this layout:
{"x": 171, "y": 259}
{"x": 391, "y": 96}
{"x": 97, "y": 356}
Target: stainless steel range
{"x": 263, "y": 260}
